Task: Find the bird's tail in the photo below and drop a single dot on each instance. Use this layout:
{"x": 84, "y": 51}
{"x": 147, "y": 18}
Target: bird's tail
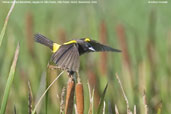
{"x": 43, "y": 40}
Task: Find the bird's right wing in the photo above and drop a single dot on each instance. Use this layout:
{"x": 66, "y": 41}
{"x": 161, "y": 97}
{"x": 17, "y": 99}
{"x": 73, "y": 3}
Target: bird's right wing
{"x": 100, "y": 47}
{"x": 67, "y": 57}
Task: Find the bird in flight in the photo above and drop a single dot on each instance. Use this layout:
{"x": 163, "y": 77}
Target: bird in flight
{"x": 66, "y": 56}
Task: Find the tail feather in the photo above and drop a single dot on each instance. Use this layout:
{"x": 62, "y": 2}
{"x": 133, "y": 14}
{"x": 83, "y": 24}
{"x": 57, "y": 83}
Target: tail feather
{"x": 43, "y": 40}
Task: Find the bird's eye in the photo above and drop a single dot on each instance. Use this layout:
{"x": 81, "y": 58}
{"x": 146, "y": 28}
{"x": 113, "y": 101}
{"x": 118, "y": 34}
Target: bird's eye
{"x": 87, "y": 45}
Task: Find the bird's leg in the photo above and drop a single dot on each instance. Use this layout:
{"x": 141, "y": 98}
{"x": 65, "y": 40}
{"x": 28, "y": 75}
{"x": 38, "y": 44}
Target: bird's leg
{"x": 78, "y": 77}
{"x": 70, "y": 75}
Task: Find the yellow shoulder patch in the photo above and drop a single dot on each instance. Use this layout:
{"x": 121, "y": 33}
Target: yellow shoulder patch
{"x": 55, "y": 47}
{"x": 71, "y": 42}
{"x": 87, "y": 39}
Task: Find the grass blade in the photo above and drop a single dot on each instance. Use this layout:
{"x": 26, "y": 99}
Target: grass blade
{"x": 100, "y": 108}
{"x": 30, "y": 98}
{"x": 6, "y": 22}
{"x": 9, "y": 81}
{"x": 91, "y": 97}
{"x": 33, "y": 112}
{"x": 124, "y": 95}
{"x": 15, "y": 110}
{"x": 104, "y": 107}
{"x": 145, "y": 103}
{"x": 116, "y": 110}
{"x": 47, "y": 93}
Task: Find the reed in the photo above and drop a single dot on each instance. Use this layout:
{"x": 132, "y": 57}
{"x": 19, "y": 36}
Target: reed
{"x": 80, "y": 98}
{"x": 70, "y": 96}
{"x": 29, "y": 34}
{"x": 121, "y": 35}
{"x": 103, "y": 56}
{"x": 62, "y": 102}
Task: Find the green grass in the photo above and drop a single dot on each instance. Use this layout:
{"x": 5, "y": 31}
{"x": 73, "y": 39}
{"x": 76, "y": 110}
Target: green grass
{"x": 5, "y": 24}
{"x": 101, "y": 104}
{"x": 9, "y": 81}
{"x": 148, "y": 70}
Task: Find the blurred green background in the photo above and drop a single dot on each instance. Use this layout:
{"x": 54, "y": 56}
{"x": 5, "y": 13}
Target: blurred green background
{"x": 141, "y": 30}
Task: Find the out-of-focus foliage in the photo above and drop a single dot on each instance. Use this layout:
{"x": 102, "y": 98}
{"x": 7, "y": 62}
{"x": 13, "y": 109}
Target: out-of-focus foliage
{"x": 141, "y": 30}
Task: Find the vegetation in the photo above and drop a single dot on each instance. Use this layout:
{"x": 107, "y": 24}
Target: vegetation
{"x": 134, "y": 81}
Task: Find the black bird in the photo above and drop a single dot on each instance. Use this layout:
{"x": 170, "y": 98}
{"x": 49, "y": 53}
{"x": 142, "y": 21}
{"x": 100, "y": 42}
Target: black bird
{"x": 66, "y": 56}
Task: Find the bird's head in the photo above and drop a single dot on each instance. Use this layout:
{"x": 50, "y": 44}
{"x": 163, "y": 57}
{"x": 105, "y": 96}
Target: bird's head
{"x": 87, "y": 46}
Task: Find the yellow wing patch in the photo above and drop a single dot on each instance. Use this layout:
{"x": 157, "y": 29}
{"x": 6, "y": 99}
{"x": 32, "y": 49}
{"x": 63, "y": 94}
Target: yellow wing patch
{"x": 55, "y": 47}
{"x": 71, "y": 42}
{"x": 87, "y": 39}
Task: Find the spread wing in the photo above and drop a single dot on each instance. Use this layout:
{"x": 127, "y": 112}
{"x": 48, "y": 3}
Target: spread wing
{"x": 67, "y": 57}
{"x": 100, "y": 47}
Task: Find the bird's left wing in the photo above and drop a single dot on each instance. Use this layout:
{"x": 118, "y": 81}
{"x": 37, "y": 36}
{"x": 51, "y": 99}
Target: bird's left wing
{"x": 67, "y": 57}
